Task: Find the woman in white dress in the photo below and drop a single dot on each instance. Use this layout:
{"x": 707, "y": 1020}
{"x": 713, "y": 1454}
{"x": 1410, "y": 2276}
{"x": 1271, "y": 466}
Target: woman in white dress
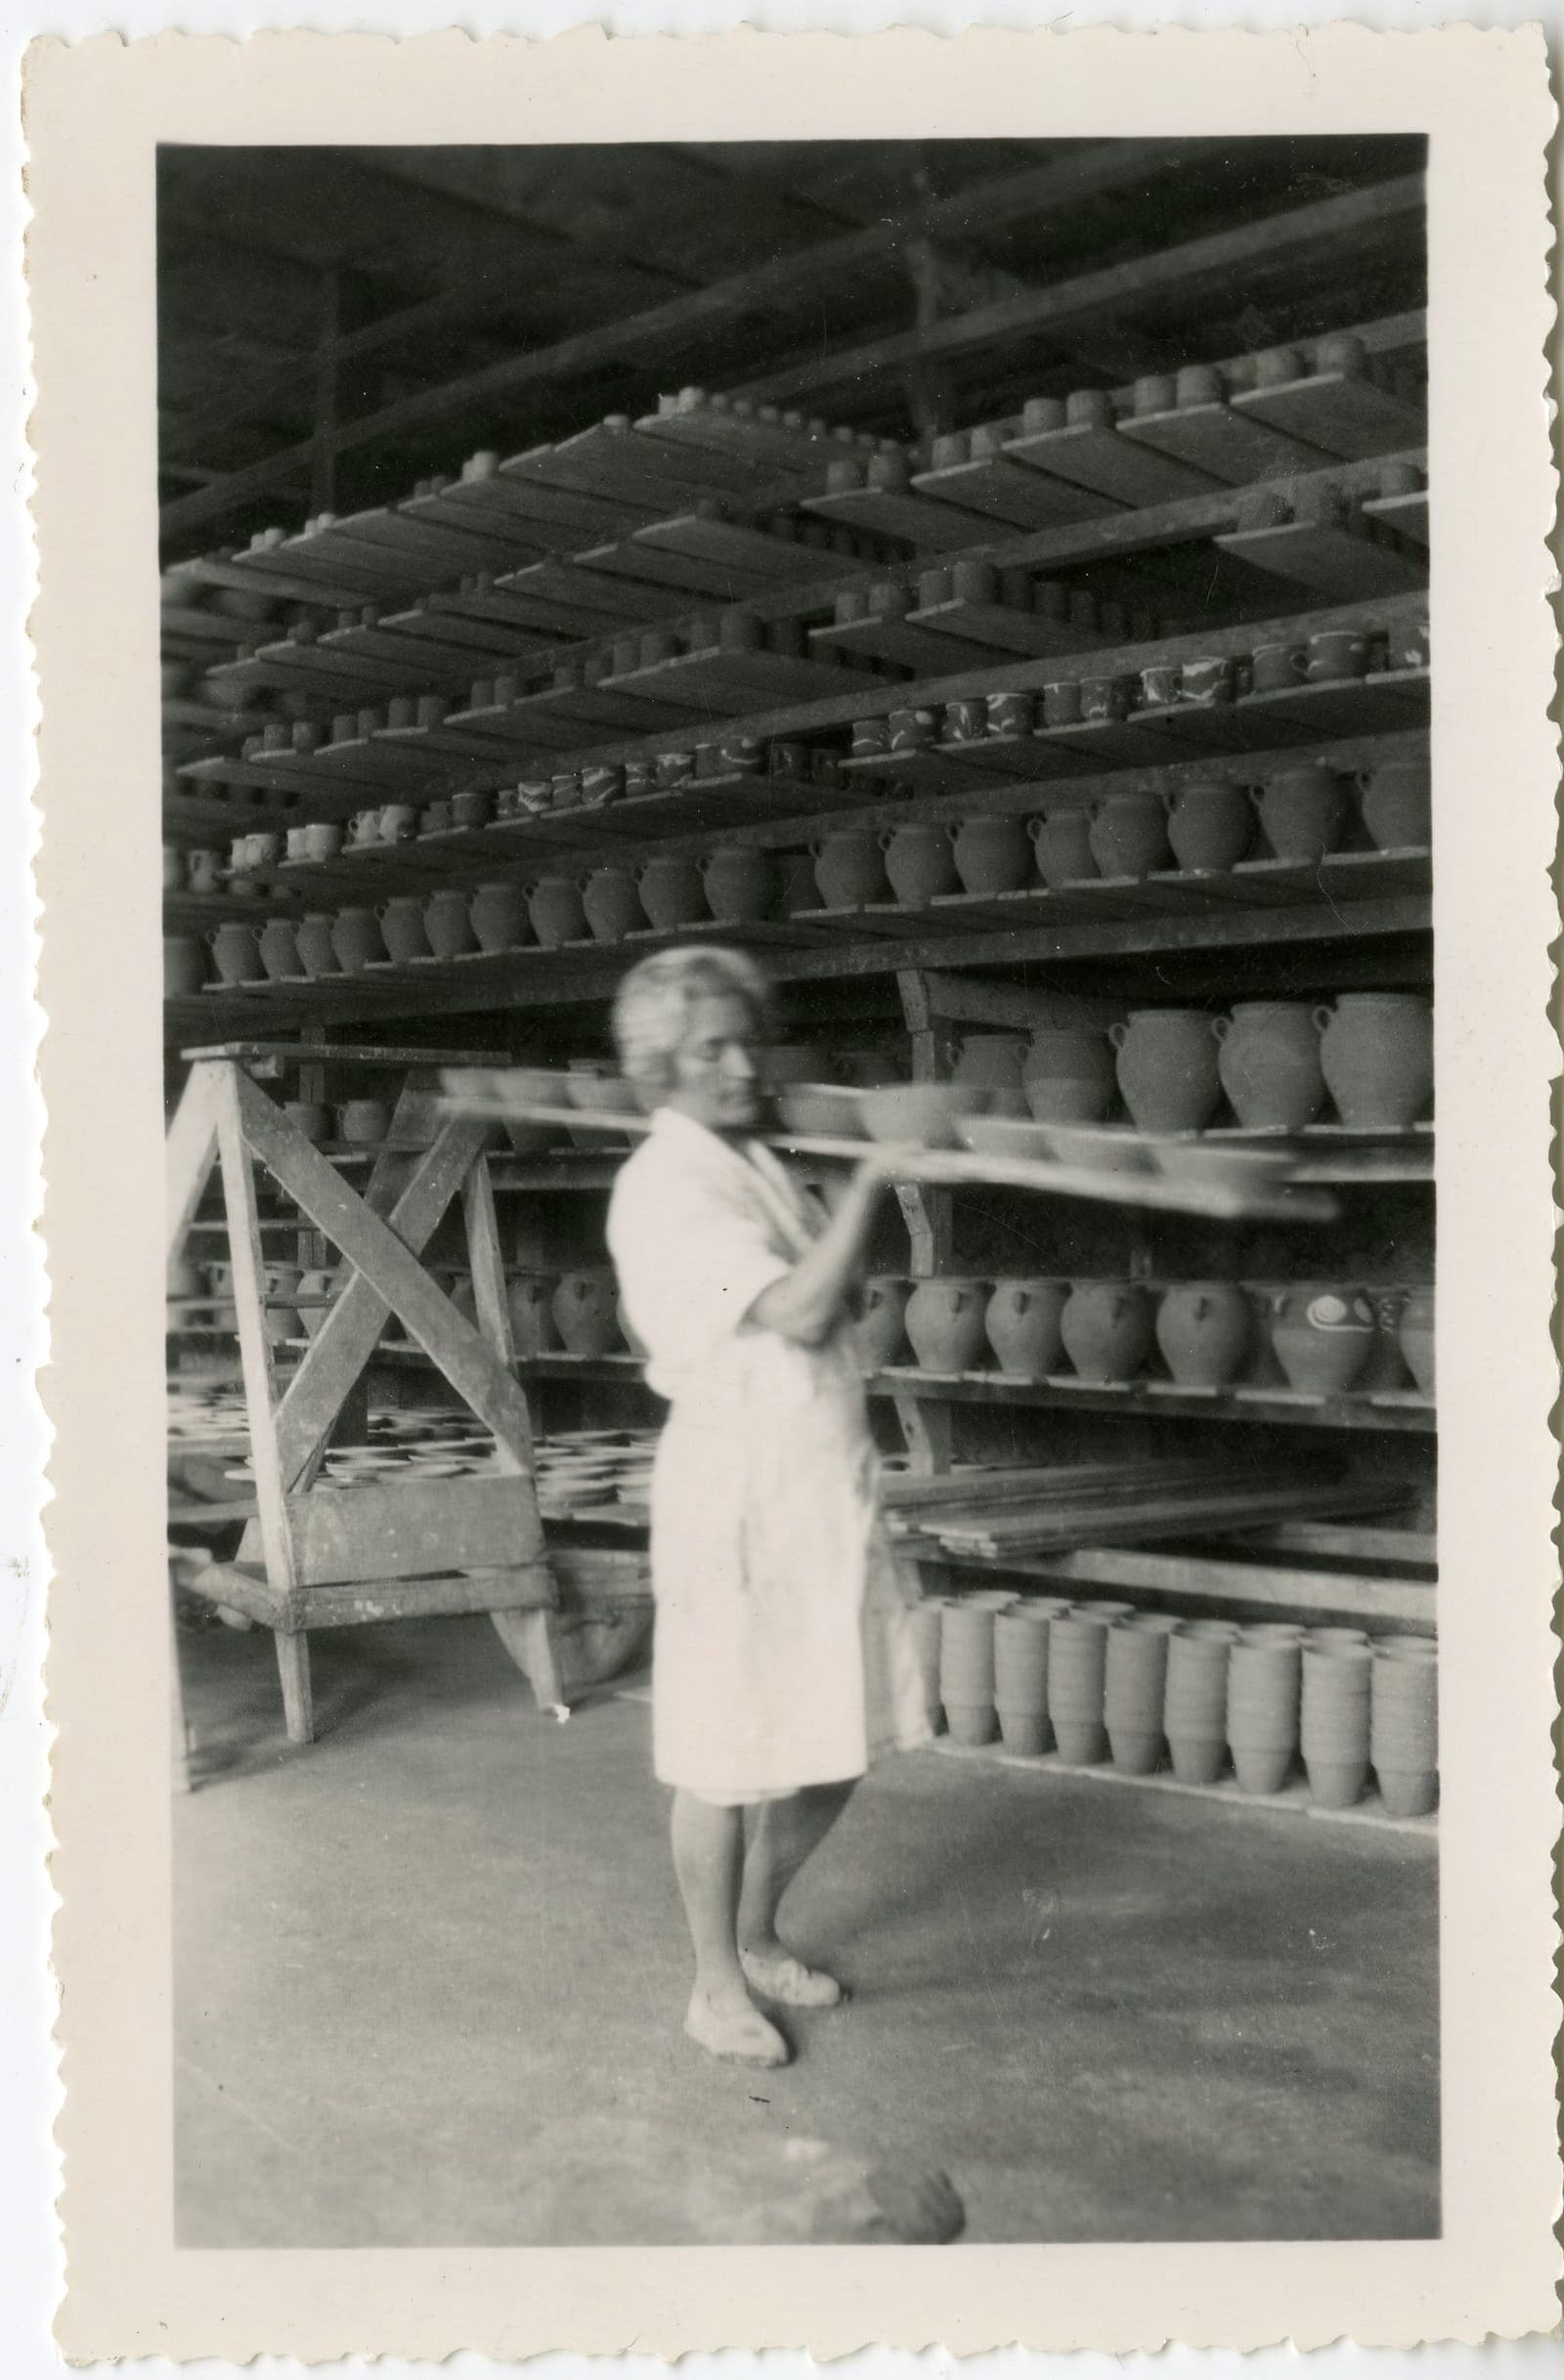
{"x": 783, "y": 1660}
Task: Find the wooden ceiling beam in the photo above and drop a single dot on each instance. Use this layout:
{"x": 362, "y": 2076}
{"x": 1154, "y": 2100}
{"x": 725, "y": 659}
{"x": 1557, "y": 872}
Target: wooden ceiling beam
{"x": 1084, "y": 173}
{"x": 1274, "y": 244}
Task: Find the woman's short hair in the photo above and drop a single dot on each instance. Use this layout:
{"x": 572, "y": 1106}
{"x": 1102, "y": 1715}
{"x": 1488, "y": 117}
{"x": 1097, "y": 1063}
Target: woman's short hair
{"x": 652, "y": 1005}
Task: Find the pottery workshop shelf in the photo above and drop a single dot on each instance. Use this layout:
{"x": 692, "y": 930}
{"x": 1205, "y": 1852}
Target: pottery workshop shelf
{"x": 1065, "y": 707}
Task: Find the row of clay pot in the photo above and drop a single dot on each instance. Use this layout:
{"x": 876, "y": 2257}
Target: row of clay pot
{"x": 899, "y": 592}
{"x": 577, "y": 1312}
{"x": 1277, "y": 1061}
{"x": 1323, "y": 1341}
{"x": 1089, "y": 1680}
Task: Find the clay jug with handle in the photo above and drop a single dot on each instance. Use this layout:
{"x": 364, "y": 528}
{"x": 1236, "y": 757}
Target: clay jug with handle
{"x": 944, "y": 1321}
{"x": 1323, "y": 1338}
{"x": 993, "y": 854}
{"x": 1023, "y": 1323}
{"x": 280, "y": 952}
{"x": 1415, "y": 1333}
{"x": 448, "y": 923}
{"x": 1270, "y": 1063}
{"x": 1066, "y": 854}
{"x": 672, "y": 894}
{"x": 1067, "y": 1074}
{"x": 850, "y": 868}
{"x": 1167, "y": 1068}
{"x": 529, "y": 1302}
{"x": 556, "y": 908}
{"x": 1378, "y": 1052}
{"x": 1203, "y": 1329}
{"x": 1106, "y": 1330}
{"x": 1302, "y": 812}
{"x": 1396, "y": 799}
{"x": 1210, "y": 824}
{"x": 316, "y": 947}
{"x": 498, "y": 916}
{"x": 184, "y": 965}
{"x": 236, "y": 952}
{"x": 740, "y": 883}
{"x": 356, "y": 938}
{"x": 919, "y": 862}
{"x": 401, "y": 927}
{"x": 994, "y": 1061}
{"x": 611, "y": 903}
{"x": 584, "y": 1311}
{"x": 880, "y": 1331}
{"x": 1128, "y": 834}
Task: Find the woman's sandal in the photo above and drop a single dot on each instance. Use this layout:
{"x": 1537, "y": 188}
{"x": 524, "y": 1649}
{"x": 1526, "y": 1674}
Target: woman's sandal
{"x": 778, "y": 1976}
{"x": 749, "y": 2039}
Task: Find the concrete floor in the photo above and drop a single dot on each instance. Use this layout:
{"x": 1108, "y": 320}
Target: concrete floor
{"x": 430, "y": 1972}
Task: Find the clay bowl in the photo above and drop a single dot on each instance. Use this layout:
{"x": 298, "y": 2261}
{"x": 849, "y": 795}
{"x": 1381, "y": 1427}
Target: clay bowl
{"x": 823, "y": 1110}
{"x": 1110, "y": 1150}
{"x": 921, "y": 1115}
{"x": 1005, "y": 1135}
{"x": 1200, "y": 1166}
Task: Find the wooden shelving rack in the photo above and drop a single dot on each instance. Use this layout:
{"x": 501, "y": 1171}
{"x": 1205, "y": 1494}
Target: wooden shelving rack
{"x": 691, "y": 628}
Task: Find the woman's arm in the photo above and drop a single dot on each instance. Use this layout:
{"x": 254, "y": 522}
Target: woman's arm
{"x": 806, "y": 1303}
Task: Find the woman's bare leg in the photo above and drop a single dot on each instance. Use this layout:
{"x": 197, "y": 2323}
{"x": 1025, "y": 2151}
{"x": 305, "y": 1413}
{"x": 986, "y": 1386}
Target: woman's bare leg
{"x": 780, "y": 1837}
{"x": 707, "y": 1861}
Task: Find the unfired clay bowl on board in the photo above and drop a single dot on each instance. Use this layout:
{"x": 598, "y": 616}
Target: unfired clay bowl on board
{"x": 823, "y": 1110}
{"x": 919, "y": 1115}
{"x": 1005, "y": 1136}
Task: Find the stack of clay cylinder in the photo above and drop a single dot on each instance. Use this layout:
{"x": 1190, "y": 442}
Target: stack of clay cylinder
{"x": 1099, "y": 1681}
{"x": 1316, "y": 1338}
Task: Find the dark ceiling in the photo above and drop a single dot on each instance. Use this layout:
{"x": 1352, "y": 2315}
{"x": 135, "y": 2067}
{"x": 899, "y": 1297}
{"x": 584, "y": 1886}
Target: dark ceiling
{"x": 750, "y": 260}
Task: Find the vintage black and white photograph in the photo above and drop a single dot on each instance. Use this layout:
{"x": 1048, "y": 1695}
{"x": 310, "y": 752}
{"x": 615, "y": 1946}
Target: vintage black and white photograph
{"x": 802, "y": 1432}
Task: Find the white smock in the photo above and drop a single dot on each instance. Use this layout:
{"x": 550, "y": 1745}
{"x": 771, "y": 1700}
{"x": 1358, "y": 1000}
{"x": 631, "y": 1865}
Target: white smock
{"x": 784, "y": 1657}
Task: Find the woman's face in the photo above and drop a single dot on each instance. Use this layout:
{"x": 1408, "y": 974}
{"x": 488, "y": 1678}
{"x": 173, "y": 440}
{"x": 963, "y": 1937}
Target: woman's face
{"x": 716, "y": 1075}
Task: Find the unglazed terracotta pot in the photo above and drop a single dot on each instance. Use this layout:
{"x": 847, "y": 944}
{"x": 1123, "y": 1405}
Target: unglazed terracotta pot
{"x": 401, "y": 927}
{"x": 994, "y": 1061}
{"x": 1323, "y": 1338}
{"x": 993, "y": 854}
{"x": 919, "y": 862}
{"x": 740, "y": 883}
{"x": 797, "y": 886}
{"x": 850, "y": 868}
{"x": 554, "y": 905}
{"x": 1128, "y": 834}
{"x": 1203, "y": 1329}
{"x": 671, "y": 892}
{"x": 584, "y": 1311}
{"x": 362, "y": 1121}
{"x": 529, "y": 1302}
{"x": 944, "y": 1321}
{"x": 312, "y": 1118}
{"x": 1106, "y": 1327}
{"x": 498, "y": 913}
{"x": 880, "y": 1332}
{"x": 448, "y": 923}
{"x": 1377, "y": 1053}
{"x": 1416, "y": 1336}
{"x": 1065, "y": 851}
{"x": 1303, "y": 812}
{"x": 279, "y": 951}
{"x": 173, "y": 868}
{"x": 1023, "y": 1323}
{"x": 1209, "y": 823}
{"x": 184, "y": 965}
{"x": 320, "y": 1284}
{"x": 356, "y": 938}
{"x": 236, "y": 953}
{"x": 316, "y": 947}
{"x": 1077, "y": 1662}
{"x": 1167, "y": 1068}
{"x": 611, "y": 903}
{"x": 1270, "y": 1063}
{"x": 1067, "y": 1074}
{"x": 1396, "y": 803}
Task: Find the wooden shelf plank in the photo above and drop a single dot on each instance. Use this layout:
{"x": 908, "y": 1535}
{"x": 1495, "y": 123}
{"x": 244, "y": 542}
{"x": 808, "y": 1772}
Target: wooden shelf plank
{"x": 535, "y": 517}
{"x": 1339, "y": 413}
{"x": 572, "y": 593}
{"x": 1002, "y": 489}
{"x": 903, "y": 515}
{"x": 1258, "y": 1404}
{"x": 1343, "y": 707}
{"x": 999, "y": 628}
{"x": 731, "y": 545}
{"x": 613, "y": 459}
{"x": 1218, "y": 1579}
{"x": 1114, "y": 470}
{"x": 1327, "y": 559}
{"x": 1227, "y": 446}
{"x": 1409, "y": 514}
{"x": 734, "y": 682}
{"x": 902, "y": 640}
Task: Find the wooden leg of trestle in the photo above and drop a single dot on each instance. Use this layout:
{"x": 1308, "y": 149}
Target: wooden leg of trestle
{"x": 293, "y": 1668}
{"x": 528, "y": 1638}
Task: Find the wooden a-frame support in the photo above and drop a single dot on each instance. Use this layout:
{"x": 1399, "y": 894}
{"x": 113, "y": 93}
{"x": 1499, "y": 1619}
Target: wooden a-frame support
{"x": 315, "y": 1557}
